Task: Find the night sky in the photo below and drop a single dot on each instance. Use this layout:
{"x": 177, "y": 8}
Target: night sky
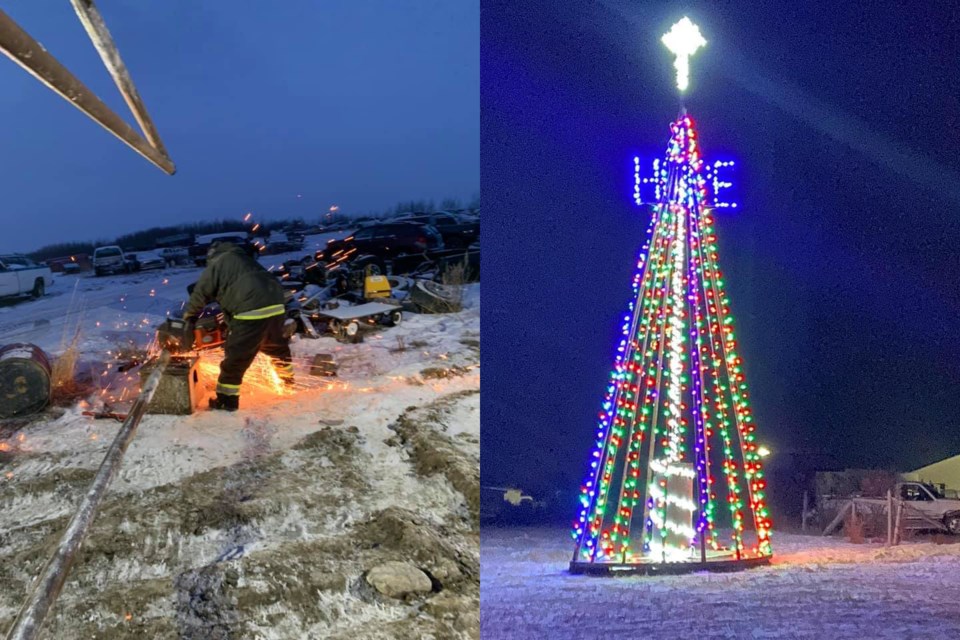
{"x": 279, "y": 108}
{"x": 841, "y": 262}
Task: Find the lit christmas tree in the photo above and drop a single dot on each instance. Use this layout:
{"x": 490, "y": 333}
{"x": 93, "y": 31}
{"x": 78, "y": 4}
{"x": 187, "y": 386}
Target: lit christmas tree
{"x": 676, "y": 435}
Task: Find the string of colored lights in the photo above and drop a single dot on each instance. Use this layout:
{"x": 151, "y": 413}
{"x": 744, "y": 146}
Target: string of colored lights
{"x": 656, "y": 269}
{"x": 675, "y": 358}
{"x": 682, "y": 155}
{"x": 679, "y": 317}
{"x": 652, "y": 365}
{"x": 654, "y": 371}
{"x": 690, "y": 184}
{"x": 734, "y": 503}
{"x": 630, "y": 485}
{"x": 705, "y": 524}
{"x": 593, "y": 497}
{"x": 604, "y": 547}
{"x": 672, "y": 443}
{"x": 652, "y": 304}
{"x": 743, "y": 414}
{"x": 705, "y": 520}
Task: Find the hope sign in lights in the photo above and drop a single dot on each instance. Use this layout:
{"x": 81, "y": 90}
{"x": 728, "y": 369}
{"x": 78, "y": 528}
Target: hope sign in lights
{"x": 650, "y": 182}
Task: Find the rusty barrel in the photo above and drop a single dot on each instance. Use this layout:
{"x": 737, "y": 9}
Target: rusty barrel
{"x": 24, "y": 380}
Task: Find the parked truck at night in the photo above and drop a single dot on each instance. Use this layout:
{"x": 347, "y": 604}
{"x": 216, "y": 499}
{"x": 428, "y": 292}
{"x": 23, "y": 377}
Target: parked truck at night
{"x": 21, "y": 276}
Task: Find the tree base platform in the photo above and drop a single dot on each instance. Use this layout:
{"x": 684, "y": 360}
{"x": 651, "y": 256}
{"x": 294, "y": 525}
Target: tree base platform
{"x": 718, "y": 563}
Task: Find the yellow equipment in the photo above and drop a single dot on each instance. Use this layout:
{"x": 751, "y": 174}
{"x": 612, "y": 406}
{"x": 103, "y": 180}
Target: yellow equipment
{"x": 376, "y": 287}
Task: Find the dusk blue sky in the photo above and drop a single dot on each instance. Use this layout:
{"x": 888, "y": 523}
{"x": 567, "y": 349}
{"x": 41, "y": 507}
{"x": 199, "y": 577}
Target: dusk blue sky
{"x": 841, "y": 262}
{"x": 358, "y": 103}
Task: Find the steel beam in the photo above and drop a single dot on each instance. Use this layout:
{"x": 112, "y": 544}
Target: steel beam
{"x": 103, "y": 42}
{"x": 50, "y": 582}
{"x": 23, "y": 49}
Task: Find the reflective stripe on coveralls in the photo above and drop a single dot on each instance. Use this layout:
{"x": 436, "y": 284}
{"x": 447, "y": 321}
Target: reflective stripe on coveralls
{"x": 262, "y": 313}
{"x": 228, "y": 389}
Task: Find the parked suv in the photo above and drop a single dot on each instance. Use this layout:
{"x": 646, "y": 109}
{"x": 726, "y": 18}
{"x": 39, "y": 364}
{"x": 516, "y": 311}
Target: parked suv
{"x": 109, "y": 259}
{"x": 384, "y": 241}
{"x": 457, "y": 231}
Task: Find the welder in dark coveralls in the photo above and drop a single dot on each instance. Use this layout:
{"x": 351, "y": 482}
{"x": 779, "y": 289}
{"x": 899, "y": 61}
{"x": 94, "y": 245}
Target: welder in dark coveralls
{"x": 252, "y": 301}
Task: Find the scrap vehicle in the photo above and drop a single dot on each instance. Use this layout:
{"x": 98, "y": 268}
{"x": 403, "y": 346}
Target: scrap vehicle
{"x": 343, "y": 321}
{"x": 109, "y": 260}
{"x": 173, "y": 256}
{"x": 401, "y": 248}
{"x": 416, "y": 277}
{"x": 175, "y": 249}
{"x": 280, "y": 242}
{"x": 931, "y": 501}
{"x": 146, "y": 260}
{"x": 456, "y": 230}
{"x": 438, "y": 265}
{"x": 20, "y": 276}
{"x": 381, "y": 242}
{"x": 198, "y": 252}
{"x": 925, "y": 502}
{"x": 296, "y": 236}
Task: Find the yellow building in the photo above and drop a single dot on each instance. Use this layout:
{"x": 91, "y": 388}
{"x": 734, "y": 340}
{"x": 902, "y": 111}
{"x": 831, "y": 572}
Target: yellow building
{"x": 945, "y": 472}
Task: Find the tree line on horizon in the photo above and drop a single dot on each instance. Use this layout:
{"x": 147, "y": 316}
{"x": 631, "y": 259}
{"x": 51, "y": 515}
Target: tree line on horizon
{"x": 147, "y": 239}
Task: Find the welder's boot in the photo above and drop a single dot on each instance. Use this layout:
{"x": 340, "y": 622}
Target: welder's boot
{"x": 224, "y": 402}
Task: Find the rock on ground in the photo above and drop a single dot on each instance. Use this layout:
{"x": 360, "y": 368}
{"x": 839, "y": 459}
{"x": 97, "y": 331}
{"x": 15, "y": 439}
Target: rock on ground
{"x": 398, "y": 579}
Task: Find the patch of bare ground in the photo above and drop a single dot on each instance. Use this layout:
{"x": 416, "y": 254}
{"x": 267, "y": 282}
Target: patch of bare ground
{"x": 278, "y": 545}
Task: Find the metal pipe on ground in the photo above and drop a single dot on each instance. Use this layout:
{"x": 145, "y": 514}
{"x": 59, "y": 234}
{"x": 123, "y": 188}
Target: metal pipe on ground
{"x": 47, "y": 588}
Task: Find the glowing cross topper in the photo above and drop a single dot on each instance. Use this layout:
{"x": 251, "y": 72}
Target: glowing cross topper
{"x": 683, "y": 40}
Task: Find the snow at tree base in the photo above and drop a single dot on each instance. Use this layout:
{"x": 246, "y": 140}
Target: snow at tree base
{"x": 816, "y": 587}
{"x": 343, "y": 507}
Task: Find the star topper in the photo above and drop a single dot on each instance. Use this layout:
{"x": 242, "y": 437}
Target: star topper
{"x": 683, "y": 40}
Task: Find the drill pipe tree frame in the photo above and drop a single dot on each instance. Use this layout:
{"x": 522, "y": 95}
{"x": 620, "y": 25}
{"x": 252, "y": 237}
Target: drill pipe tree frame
{"x": 23, "y": 49}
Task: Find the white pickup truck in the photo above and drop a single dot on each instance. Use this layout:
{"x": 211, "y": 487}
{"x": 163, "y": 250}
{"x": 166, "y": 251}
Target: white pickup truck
{"x": 931, "y": 502}
{"x": 20, "y": 276}
{"x": 926, "y": 506}
{"x": 110, "y": 259}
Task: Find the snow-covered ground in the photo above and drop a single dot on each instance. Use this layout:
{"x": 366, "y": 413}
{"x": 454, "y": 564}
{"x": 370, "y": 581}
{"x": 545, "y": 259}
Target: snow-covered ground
{"x": 263, "y": 523}
{"x": 122, "y": 304}
{"x": 816, "y": 588}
